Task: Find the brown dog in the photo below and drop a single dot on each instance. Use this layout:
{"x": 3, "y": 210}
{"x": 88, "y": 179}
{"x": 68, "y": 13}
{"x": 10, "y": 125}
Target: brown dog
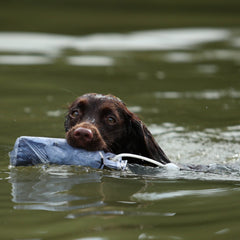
{"x": 103, "y": 122}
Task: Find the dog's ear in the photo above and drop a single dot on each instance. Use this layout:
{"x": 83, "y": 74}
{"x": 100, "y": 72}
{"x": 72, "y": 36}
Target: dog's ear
{"x": 144, "y": 143}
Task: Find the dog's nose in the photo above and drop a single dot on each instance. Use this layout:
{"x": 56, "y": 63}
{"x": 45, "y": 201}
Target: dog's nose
{"x": 83, "y": 133}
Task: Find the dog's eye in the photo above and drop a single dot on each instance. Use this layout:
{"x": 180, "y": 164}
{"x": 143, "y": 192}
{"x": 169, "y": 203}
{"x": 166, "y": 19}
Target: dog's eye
{"x": 111, "y": 120}
{"x": 75, "y": 114}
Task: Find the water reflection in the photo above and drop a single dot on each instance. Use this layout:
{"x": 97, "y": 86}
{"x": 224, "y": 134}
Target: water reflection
{"x": 62, "y": 188}
{"x": 207, "y": 68}
{"x": 204, "y": 55}
{"x": 206, "y": 94}
{"x": 179, "y": 46}
{"x": 50, "y": 189}
{"x": 182, "y": 193}
{"x": 178, "y": 57}
{"x": 90, "y": 61}
{"x": 141, "y": 40}
{"x": 24, "y": 60}
{"x": 90, "y": 192}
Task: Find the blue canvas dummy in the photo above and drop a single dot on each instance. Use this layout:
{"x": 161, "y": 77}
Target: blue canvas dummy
{"x": 29, "y": 151}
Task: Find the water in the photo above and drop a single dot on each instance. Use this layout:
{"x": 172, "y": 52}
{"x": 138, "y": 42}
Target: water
{"x": 182, "y": 81}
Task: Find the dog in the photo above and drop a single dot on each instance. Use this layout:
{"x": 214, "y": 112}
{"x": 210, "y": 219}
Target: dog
{"x": 103, "y": 122}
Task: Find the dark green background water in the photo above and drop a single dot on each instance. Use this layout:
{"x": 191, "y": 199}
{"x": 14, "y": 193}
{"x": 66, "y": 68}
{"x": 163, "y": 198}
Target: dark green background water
{"x": 175, "y": 63}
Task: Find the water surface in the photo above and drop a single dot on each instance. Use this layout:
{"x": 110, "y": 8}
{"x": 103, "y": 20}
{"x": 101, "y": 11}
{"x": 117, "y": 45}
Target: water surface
{"x": 184, "y": 84}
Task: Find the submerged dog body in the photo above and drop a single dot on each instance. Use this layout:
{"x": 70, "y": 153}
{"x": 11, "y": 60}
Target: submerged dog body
{"x": 103, "y": 122}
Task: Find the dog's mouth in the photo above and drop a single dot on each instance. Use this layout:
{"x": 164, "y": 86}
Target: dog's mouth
{"x": 86, "y": 136}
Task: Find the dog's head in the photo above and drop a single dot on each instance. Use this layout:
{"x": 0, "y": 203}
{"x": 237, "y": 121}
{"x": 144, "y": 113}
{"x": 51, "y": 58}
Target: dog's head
{"x": 103, "y": 122}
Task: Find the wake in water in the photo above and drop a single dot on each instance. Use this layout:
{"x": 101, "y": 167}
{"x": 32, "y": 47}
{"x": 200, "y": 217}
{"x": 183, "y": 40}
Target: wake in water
{"x": 212, "y": 154}
{"x": 229, "y": 172}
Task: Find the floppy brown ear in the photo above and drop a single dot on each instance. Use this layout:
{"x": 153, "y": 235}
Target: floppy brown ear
{"x": 145, "y": 144}
{"x": 152, "y": 148}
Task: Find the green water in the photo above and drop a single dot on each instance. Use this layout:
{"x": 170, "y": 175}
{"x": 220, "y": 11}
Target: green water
{"x": 176, "y": 64}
